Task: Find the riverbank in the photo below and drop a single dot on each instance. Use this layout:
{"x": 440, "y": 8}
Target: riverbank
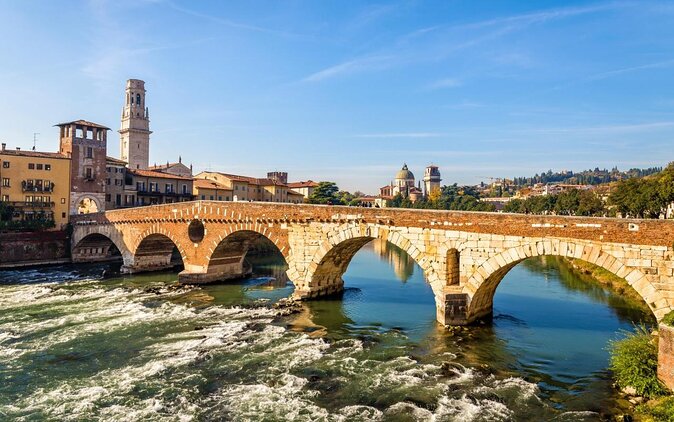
{"x": 34, "y": 248}
{"x": 593, "y": 274}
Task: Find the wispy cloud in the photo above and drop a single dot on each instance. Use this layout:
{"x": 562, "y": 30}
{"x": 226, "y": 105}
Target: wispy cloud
{"x": 351, "y": 66}
{"x": 400, "y": 135}
{"x": 228, "y": 22}
{"x": 606, "y": 129}
{"x": 445, "y": 83}
{"x": 433, "y": 43}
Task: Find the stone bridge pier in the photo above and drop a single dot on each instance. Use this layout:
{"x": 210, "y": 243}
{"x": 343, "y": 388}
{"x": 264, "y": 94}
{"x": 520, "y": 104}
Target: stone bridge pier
{"x": 464, "y": 255}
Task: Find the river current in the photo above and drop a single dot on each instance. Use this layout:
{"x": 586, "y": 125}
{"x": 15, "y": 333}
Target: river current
{"x": 77, "y": 343}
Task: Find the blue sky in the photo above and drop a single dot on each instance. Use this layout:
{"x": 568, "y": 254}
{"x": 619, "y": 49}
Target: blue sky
{"x": 348, "y": 91}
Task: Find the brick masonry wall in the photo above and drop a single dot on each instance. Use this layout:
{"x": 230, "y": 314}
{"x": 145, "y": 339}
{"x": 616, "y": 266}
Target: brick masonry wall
{"x": 21, "y": 248}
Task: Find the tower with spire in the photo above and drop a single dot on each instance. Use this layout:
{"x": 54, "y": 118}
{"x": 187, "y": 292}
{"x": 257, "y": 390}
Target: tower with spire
{"x": 135, "y": 130}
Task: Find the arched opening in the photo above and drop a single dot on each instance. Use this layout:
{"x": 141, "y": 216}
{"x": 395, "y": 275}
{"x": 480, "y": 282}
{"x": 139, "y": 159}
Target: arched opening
{"x": 87, "y": 206}
{"x": 373, "y": 284}
{"x": 481, "y": 304}
{"x": 96, "y": 248}
{"x": 555, "y": 316}
{"x": 156, "y": 252}
{"x": 245, "y": 253}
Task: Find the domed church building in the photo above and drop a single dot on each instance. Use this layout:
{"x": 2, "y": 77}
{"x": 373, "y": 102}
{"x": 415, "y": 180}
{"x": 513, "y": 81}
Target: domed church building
{"x": 405, "y": 185}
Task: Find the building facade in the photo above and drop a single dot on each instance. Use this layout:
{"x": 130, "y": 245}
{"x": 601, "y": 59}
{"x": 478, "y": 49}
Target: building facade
{"x": 36, "y": 185}
{"x": 115, "y": 184}
{"x": 404, "y": 184}
{"x": 210, "y": 190}
{"x": 153, "y": 187}
{"x": 246, "y": 188}
{"x": 85, "y": 143}
{"x": 135, "y": 130}
{"x": 305, "y": 188}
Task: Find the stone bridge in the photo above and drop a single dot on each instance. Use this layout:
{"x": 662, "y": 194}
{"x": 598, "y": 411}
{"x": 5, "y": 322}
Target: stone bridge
{"x": 464, "y": 255}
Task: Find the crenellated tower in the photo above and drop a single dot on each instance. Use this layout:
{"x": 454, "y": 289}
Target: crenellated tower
{"x": 135, "y": 131}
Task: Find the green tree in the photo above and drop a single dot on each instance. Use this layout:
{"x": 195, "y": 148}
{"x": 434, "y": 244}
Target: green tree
{"x": 325, "y": 193}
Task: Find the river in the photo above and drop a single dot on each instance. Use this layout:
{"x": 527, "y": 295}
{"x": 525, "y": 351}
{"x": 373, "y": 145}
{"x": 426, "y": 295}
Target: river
{"x": 75, "y": 345}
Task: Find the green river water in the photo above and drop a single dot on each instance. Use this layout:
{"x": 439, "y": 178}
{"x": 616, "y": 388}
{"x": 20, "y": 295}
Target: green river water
{"x": 78, "y": 346}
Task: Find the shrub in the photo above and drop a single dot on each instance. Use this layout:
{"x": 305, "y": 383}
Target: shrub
{"x": 668, "y": 319}
{"x": 659, "y": 410}
{"x": 634, "y": 362}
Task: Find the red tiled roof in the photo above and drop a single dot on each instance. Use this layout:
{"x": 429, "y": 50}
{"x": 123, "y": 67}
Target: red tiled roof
{"x": 209, "y": 184}
{"x": 30, "y": 153}
{"x": 307, "y": 184}
{"x": 83, "y": 123}
{"x": 157, "y": 174}
{"x": 114, "y": 160}
{"x": 251, "y": 180}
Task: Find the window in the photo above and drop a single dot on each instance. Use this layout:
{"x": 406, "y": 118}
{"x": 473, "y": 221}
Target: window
{"x": 63, "y": 215}
{"x": 47, "y": 186}
{"x": 108, "y": 169}
{"x": 118, "y": 200}
{"x": 89, "y": 173}
{"x": 138, "y": 99}
{"x": 154, "y": 187}
{"x": 211, "y": 197}
{"x": 29, "y": 198}
{"x": 140, "y": 186}
{"x": 38, "y": 166}
{"x": 107, "y": 181}
{"x": 47, "y": 167}
{"x": 185, "y": 189}
{"x": 169, "y": 188}
{"x": 90, "y": 152}
{"x": 5, "y": 182}
{"x": 5, "y": 198}
{"x": 219, "y": 198}
{"x": 203, "y": 197}
{"x": 5, "y": 164}
{"x": 63, "y": 200}
{"x": 107, "y": 197}
{"x": 31, "y": 166}
{"x": 118, "y": 182}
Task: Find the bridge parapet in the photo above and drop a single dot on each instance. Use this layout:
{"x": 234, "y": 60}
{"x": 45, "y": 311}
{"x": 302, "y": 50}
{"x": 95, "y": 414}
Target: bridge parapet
{"x": 464, "y": 255}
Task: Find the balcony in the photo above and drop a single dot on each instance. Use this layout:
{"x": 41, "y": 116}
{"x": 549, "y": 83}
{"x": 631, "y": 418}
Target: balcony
{"x": 30, "y": 204}
{"x": 30, "y": 187}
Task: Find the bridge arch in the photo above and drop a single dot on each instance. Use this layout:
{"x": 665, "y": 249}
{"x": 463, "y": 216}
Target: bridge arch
{"x": 484, "y": 280}
{"x": 154, "y": 250}
{"x": 331, "y": 260}
{"x": 228, "y": 257}
{"x": 99, "y": 247}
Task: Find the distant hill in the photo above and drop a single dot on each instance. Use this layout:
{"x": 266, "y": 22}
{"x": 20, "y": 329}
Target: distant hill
{"x": 585, "y": 177}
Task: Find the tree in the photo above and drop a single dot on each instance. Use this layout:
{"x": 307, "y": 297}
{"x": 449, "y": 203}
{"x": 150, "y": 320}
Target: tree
{"x": 325, "y": 193}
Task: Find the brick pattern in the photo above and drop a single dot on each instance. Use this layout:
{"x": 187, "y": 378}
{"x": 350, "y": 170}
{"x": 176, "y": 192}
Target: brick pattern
{"x": 318, "y": 242}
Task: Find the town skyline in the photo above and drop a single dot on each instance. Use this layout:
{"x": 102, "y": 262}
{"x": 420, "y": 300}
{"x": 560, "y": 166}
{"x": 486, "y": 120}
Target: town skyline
{"x": 332, "y": 106}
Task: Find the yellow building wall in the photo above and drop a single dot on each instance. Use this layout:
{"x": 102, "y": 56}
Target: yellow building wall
{"x": 14, "y": 171}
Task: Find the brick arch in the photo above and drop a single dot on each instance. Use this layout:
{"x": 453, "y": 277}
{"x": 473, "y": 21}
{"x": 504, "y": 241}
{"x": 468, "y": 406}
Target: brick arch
{"x": 157, "y": 230}
{"x": 335, "y": 252}
{"x": 268, "y": 234}
{"x": 484, "y": 280}
{"x": 114, "y": 236}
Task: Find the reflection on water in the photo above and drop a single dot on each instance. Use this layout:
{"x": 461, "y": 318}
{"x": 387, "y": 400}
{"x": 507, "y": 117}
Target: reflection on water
{"x": 76, "y": 345}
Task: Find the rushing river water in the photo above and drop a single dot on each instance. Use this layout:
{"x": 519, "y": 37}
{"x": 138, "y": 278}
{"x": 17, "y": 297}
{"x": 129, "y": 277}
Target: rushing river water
{"x": 76, "y": 346}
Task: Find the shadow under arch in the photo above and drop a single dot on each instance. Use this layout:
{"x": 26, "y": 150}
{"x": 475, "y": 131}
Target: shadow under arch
{"x": 96, "y": 247}
{"x": 235, "y": 255}
{"x": 334, "y": 256}
{"x": 487, "y": 277}
{"x": 154, "y": 252}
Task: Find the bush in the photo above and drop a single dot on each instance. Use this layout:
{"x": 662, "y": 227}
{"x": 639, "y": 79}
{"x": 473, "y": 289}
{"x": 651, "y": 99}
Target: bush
{"x": 634, "y": 362}
{"x": 668, "y": 319}
{"x": 658, "y": 410}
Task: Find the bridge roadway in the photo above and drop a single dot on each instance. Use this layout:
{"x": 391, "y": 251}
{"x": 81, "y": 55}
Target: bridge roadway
{"x": 464, "y": 255}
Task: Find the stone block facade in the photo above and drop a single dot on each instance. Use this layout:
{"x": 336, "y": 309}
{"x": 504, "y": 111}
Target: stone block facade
{"x": 464, "y": 255}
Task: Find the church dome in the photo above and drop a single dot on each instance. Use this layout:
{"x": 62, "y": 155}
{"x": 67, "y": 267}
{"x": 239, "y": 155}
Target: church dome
{"x": 404, "y": 174}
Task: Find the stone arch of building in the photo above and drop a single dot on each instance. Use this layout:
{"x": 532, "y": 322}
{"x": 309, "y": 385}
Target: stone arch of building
{"x": 484, "y": 281}
{"x": 332, "y": 259}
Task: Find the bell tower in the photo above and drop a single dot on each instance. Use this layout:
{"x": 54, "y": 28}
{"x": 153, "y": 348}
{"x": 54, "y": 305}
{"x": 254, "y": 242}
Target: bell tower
{"x": 135, "y": 131}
